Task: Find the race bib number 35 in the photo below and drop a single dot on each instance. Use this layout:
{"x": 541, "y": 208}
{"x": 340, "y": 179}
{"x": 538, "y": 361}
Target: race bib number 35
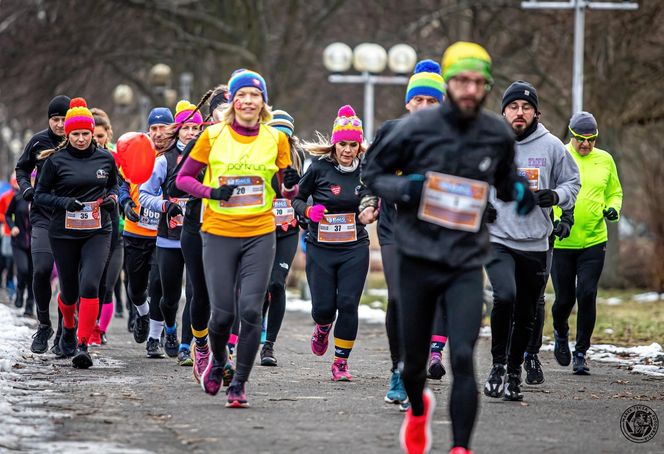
{"x": 337, "y": 228}
{"x": 532, "y": 174}
{"x": 249, "y": 191}
{"x": 89, "y": 218}
{"x": 453, "y": 202}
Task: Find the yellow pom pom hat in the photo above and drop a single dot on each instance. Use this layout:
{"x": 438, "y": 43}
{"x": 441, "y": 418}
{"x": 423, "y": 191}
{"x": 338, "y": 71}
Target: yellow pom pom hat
{"x": 79, "y": 116}
{"x": 465, "y": 56}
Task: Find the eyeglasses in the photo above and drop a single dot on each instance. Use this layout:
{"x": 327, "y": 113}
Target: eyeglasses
{"x": 466, "y": 82}
{"x": 343, "y": 121}
{"x": 514, "y": 107}
{"x": 579, "y": 138}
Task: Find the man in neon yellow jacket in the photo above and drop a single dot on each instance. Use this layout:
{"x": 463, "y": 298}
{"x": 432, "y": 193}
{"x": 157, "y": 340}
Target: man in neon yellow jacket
{"x": 578, "y": 259}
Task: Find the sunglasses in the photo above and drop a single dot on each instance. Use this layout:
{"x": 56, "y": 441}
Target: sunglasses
{"x": 343, "y": 121}
{"x": 579, "y": 138}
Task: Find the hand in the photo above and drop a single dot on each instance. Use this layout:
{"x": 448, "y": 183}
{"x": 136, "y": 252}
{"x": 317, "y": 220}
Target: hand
{"x": 490, "y": 214}
{"x": 172, "y": 209}
{"x": 368, "y": 215}
{"x": 316, "y": 212}
{"x": 291, "y": 177}
{"x": 15, "y": 231}
{"x": 223, "y": 192}
{"x": 414, "y": 189}
{"x": 108, "y": 203}
{"x": 74, "y": 205}
{"x": 561, "y": 229}
{"x": 611, "y": 214}
{"x": 525, "y": 198}
{"x": 547, "y": 198}
{"x": 129, "y": 212}
{"x": 29, "y": 194}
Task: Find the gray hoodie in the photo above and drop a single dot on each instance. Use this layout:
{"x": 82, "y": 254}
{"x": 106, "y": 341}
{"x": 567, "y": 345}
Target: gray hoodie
{"x": 549, "y": 166}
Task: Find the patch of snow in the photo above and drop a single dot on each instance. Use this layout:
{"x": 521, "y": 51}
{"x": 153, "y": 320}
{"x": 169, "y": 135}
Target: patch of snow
{"x": 648, "y": 297}
{"x": 365, "y": 313}
{"x": 614, "y": 301}
{"x": 377, "y": 292}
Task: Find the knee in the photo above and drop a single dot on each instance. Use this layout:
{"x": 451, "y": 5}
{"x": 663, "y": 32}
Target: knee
{"x": 42, "y": 270}
{"x": 347, "y": 304}
{"x": 586, "y": 295}
{"x": 411, "y": 372}
{"x": 276, "y": 288}
{"x": 221, "y": 321}
{"x": 89, "y": 290}
{"x": 504, "y": 297}
{"x": 462, "y": 359}
{"x": 323, "y": 315}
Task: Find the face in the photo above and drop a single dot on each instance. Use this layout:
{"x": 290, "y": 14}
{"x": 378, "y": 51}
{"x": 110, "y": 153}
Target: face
{"x": 248, "y": 103}
{"x": 420, "y": 102}
{"x": 57, "y": 125}
{"x": 158, "y": 135}
{"x": 101, "y": 136}
{"x": 80, "y": 139}
{"x": 187, "y": 132}
{"x": 519, "y": 115}
{"x": 583, "y": 145}
{"x": 468, "y": 91}
{"x": 346, "y": 152}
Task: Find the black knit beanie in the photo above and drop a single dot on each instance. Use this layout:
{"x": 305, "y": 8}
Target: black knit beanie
{"x": 520, "y": 90}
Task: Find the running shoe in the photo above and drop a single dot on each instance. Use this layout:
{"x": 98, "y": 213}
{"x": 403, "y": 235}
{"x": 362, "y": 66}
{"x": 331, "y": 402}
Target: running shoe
{"x": 580, "y": 366}
{"x": 154, "y": 349}
{"x": 172, "y": 345}
{"x": 104, "y": 339}
{"x": 141, "y": 328}
{"x": 184, "y": 358}
{"x": 18, "y": 301}
{"x": 40, "y": 339}
{"x": 340, "y": 370}
{"x": 319, "y": 341}
{"x": 415, "y": 435}
{"x": 82, "y": 359}
{"x": 29, "y": 311}
{"x": 396, "y": 393}
{"x": 494, "y": 384}
{"x": 561, "y": 351}
{"x": 229, "y": 372}
{"x": 436, "y": 369}
{"x": 201, "y": 358}
{"x": 534, "y": 373}
{"x": 460, "y": 450}
{"x": 235, "y": 395}
{"x": 56, "y": 350}
{"x": 212, "y": 378}
{"x": 131, "y": 320}
{"x": 267, "y": 355}
{"x": 95, "y": 338}
{"x": 404, "y": 406}
{"x": 68, "y": 342}
{"x": 512, "y": 388}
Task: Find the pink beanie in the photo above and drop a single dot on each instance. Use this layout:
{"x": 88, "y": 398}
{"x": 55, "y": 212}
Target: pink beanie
{"x": 347, "y": 126}
{"x": 183, "y": 110}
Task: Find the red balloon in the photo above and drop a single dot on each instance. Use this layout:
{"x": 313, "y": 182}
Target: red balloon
{"x": 135, "y": 156}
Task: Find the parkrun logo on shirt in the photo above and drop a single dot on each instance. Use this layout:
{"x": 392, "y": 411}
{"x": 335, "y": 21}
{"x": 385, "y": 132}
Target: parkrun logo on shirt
{"x": 246, "y": 166}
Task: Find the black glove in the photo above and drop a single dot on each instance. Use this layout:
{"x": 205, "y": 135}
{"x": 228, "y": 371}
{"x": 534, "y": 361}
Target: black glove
{"x": 29, "y": 194}
{"x": 561, "y": 229}
{"x": 413, "y": 192}
{"x": 223, "y": 192}
{"x": 74, "y": 205}
{"x": 128, "y": 208}
{"x": 368, "y": 201}
{"x": 524, "y": 197}
{"x": 611, "y": 214}
{"x": 108, "y": 203}
{"x": 291, "y": 177}
{"x": 172, "y": 210}
{"x": 547, "y": 198}
{"x": 490, "y": 214}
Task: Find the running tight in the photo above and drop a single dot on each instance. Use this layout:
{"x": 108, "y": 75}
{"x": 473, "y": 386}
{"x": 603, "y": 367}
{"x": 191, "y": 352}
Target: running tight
{"x": 390, "y": 256}
{"x": 192, "y": 249}
{"x": 275, "y": 299}
{"x": 23, "y": 261}
{"x": 171, "y": 270}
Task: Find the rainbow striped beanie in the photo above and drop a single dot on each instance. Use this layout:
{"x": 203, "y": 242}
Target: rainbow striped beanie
{"x": 78, "y": 116}
{"x": 426, "y": 81}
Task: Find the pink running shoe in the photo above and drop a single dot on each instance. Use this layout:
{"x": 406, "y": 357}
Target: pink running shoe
{"x": 201, "y": 360}
{"x": 319, "y": 340}
{"x": 236, "y": 395}
{"x": 340, "y": 370}
{"x": 211, "y": 378}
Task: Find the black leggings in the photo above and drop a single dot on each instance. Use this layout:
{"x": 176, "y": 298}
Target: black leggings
{"x": 535, "y": 342}
{"x": 389, "y": 255}
{"x": 424, "y": 285}
{"x": 111, "y": 274}
{"x": 576, "y": 274}
{"x": 336, "y": 279}
{"x": 171, "y": 269}
{"x": 42, "y": 267}
{"x": 138, "y": 255}
{"x": 250, "y": 261}
{"x": 199, "y": 309}
{"x": 275, "y": 299}
{"x": 23, "y": 261}
{"x": 517, "y": 278}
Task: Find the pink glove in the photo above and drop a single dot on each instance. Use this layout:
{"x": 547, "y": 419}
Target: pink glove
{"x": 316, "y": 212}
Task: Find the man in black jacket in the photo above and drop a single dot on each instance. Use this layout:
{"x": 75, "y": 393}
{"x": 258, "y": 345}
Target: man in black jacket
{"x": 40, "y": 218}
{"x": 447, "y": 158}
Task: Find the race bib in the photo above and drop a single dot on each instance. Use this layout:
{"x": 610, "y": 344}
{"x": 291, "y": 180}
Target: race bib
{"x": 453, "y": 202}
{"x": 250, "y": 191}
{"x": 532, "y": 174}
{"x": 89, "y": 218}
{"x": 284, "y": 214}
{"x": 337, "y": 228}
{"x": 148, "y": 219}
{"x": 179, "y": 219}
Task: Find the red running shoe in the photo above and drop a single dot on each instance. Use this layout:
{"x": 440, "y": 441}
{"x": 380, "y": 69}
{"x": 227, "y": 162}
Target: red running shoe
{"x": 415, "y": 435}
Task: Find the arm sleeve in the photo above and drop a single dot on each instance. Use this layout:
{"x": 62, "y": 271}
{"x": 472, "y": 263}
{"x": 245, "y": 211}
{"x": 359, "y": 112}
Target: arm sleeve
{"x": 613, "y": 193}
{"x": 112, "y": 183}
{"x": 171, "y": 187}
{"x": 9, "y": 213}
{"x": 186, "y": 179}
{"x": 43, "y": 194}
{"x": 566, "y": 181}
{"x": 123, "y": 191}
{"x": 24, "y": 167}
{"x": 149, "y": 193}
{"x": 306, "y": 188}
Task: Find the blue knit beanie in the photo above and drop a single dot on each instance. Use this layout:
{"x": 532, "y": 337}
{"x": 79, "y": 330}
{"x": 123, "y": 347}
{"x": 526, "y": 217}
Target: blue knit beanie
{"x": 242, "y": 78}
{"x": 426, "y": 81}
{"x": 160, "y": 116}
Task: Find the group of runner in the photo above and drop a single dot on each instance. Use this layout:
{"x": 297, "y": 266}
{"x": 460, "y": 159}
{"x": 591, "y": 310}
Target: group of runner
{"x": 455, "y": 190}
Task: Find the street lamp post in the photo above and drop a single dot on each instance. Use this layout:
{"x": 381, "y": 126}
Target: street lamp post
{"x": 369, "y": 59}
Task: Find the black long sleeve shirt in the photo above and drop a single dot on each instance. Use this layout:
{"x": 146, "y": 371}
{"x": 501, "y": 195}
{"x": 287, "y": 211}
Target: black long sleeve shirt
{"x": 18, "y": 215}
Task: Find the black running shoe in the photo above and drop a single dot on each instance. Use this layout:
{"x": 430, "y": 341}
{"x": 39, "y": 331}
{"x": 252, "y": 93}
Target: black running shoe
{"x": 141, "y": 328}
{"x": 561, "y": 351}
{"x": 172, "y": 345}
{"x": 494, "y": 384}
{"x": 131, "y": 320}
{"x": 436, "y": 370}
{"x": 267, "y": 354}
{"x": 68, "y": 342}
{"x": 40, "y": 339}
{"x": 154, "y": 349}
{"x": 82, "y": 359}
{"x": 18, "y": 301}
{"x": 534, "y": 373}
{"x": 580, "y": 367}
{"x": 512, "y": 388}
{"x": 56, "y": 350}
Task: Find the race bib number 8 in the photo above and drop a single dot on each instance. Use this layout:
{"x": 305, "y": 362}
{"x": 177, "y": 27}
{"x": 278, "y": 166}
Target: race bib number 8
{"x": 250, "y": 191}
{"x": 337, "y": 228}
{"x": 453, "y": 202}
{"x": 532, "y": 174}
{"x": 89, "y": 218}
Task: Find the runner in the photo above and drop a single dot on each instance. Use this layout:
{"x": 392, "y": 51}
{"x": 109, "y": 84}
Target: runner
{"x": 288, "y": 230}
{"x": 40, "y": 218}
{"x": 139, "y": 235}
{"x": 518, "y": 271}
{"x": 579, "y": 259}
{"x": 79, "y": 181}
{"x": 154, "y": 196}
{"x": 241, "y": 155}
{"x": 441, "y": 248}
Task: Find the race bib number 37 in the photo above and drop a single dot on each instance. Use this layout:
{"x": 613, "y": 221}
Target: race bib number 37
{"x": 337, "y": 228}
{"x": 453, "y": 202}
{"x": 249, "y": 191}
{"x": 89, "y": 218}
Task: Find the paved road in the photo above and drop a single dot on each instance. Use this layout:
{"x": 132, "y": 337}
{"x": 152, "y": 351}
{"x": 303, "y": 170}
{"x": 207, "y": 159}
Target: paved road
{"x": 128, "y": 403}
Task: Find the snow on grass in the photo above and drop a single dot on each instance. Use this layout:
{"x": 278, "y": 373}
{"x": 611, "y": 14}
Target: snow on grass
{"x": 365, "y": 313}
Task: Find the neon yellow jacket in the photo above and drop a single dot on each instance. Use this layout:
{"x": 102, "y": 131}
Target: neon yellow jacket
{"x": 600, "y": 190}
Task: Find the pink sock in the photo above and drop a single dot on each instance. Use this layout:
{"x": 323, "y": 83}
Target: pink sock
{"x": 232, "y": 339}
{"x": 442, "y": 339}
{"x": 106, "y": 316}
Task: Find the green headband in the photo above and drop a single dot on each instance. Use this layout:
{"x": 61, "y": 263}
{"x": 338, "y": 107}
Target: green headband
{"x": 469, "y": 64}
